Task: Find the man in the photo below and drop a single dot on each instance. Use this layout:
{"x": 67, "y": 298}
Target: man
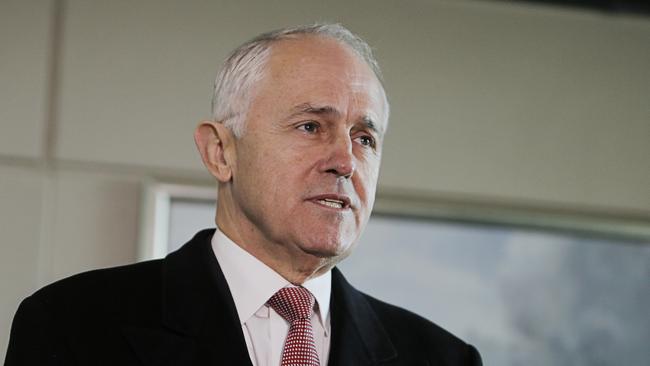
{"x": 295, "y": 145}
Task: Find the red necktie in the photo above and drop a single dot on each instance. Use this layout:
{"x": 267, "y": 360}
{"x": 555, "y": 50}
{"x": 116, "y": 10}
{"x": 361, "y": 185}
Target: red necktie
{"x": 296, "y": 305}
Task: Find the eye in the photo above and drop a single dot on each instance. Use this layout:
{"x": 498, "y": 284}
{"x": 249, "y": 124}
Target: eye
{"x": 366, "y": 140}
{"x": 309, "y": 127}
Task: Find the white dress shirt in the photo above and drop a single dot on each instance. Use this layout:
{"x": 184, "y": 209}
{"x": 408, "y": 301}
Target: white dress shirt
{"x": 251, "y": 284}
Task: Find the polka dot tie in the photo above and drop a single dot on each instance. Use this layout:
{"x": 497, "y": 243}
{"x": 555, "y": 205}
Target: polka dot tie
{"x": 296, "y": 305}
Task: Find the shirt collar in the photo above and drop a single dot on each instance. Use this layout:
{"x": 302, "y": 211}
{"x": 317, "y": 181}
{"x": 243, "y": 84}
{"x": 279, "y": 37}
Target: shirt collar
{"x": 252, "y": 282}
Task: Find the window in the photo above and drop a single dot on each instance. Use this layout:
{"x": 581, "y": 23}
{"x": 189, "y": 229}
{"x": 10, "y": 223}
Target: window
{"x": 521, "y": 291}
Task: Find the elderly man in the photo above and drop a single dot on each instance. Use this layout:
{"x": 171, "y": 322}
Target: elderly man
{"x": 295, "y": 145}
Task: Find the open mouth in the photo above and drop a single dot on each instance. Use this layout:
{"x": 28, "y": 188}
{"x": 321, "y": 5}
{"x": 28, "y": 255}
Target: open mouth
{"x": 331, "y": 203}
{"x": 334, "y": 201}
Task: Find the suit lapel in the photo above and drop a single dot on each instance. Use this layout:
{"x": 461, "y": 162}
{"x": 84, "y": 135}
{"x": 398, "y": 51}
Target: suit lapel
{"x": 201, "y": 326}
{"x": 200, "y": 322}
{"x": 358, "y": 338}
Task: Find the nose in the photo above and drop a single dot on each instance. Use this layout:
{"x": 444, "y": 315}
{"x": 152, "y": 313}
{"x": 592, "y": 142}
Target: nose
{"x": 340, "y": 159}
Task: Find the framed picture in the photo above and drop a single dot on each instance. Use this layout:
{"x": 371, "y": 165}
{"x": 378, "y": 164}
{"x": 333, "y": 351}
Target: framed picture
{"x": 534, "y": 286}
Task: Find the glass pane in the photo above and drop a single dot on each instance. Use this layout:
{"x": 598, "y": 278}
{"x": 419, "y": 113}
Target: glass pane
{"x": 186, "y": 218}
{"x": 522, "y": 297}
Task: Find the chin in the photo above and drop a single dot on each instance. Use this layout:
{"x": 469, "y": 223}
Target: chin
{"x": 324, "y": 240}
{"x": 328, "y": 247}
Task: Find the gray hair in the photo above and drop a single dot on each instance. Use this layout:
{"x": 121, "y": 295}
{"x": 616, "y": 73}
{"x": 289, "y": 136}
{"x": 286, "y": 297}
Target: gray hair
{"x": 245, "y": 66}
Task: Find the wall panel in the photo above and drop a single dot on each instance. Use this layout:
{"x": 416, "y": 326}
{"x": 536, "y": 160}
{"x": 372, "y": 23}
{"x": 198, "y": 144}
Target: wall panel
{"x": 24, "y": 42}
{"x": 20, "y": 232}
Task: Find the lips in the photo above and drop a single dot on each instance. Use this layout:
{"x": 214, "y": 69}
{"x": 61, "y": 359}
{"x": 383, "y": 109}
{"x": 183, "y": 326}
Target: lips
{"x": 331, "y": 203}
{"x": 335, "y": 201}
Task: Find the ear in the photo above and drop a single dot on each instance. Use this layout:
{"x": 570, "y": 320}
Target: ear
{"x": 214, "y": 140}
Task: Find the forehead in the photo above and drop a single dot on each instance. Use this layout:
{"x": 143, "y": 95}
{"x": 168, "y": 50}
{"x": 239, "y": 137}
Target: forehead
{"x": 322, "y": 71}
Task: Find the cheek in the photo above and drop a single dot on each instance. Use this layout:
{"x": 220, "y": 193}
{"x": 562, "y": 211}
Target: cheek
{"x": 261, "y": 164}
{"x": 367, "y": 182}
{"x": 254, "y": 178}
{"x": 279, "y": 178}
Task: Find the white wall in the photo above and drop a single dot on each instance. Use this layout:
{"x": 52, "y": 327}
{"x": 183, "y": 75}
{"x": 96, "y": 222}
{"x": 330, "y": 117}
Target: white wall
{"x": 491, "y": 100}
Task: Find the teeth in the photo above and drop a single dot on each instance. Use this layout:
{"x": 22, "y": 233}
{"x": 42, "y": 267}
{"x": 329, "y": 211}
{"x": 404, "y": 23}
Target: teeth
{"x": 331, "y": 203}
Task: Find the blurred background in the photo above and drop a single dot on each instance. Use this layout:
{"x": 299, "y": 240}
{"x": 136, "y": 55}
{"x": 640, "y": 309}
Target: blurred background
{"x": 518, "y": 155}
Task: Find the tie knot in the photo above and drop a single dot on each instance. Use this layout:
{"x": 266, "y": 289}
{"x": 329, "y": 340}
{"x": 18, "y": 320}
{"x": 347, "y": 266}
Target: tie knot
{"x": 293, "y": 303}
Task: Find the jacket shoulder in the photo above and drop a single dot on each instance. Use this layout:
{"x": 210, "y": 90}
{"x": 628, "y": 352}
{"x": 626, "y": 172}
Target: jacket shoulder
{"x": 409, "y": 331}
{"x": 86, "y": 306}
{"x": 102, "y": 290}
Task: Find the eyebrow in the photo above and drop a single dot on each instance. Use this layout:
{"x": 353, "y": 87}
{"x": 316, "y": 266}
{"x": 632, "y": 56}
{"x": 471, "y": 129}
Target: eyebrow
{"x": 326, "y": 110}
{"x": 371, "y": 125}
{"x": 308, "y": 108}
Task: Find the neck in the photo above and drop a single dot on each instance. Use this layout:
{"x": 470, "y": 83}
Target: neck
{"x": 292, "y": 263}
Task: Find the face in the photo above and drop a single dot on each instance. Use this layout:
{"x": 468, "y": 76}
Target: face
{"x": 306, "y": 166}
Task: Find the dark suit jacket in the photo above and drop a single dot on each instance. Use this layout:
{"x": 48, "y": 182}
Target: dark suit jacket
{"x": 179, "y": 311}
